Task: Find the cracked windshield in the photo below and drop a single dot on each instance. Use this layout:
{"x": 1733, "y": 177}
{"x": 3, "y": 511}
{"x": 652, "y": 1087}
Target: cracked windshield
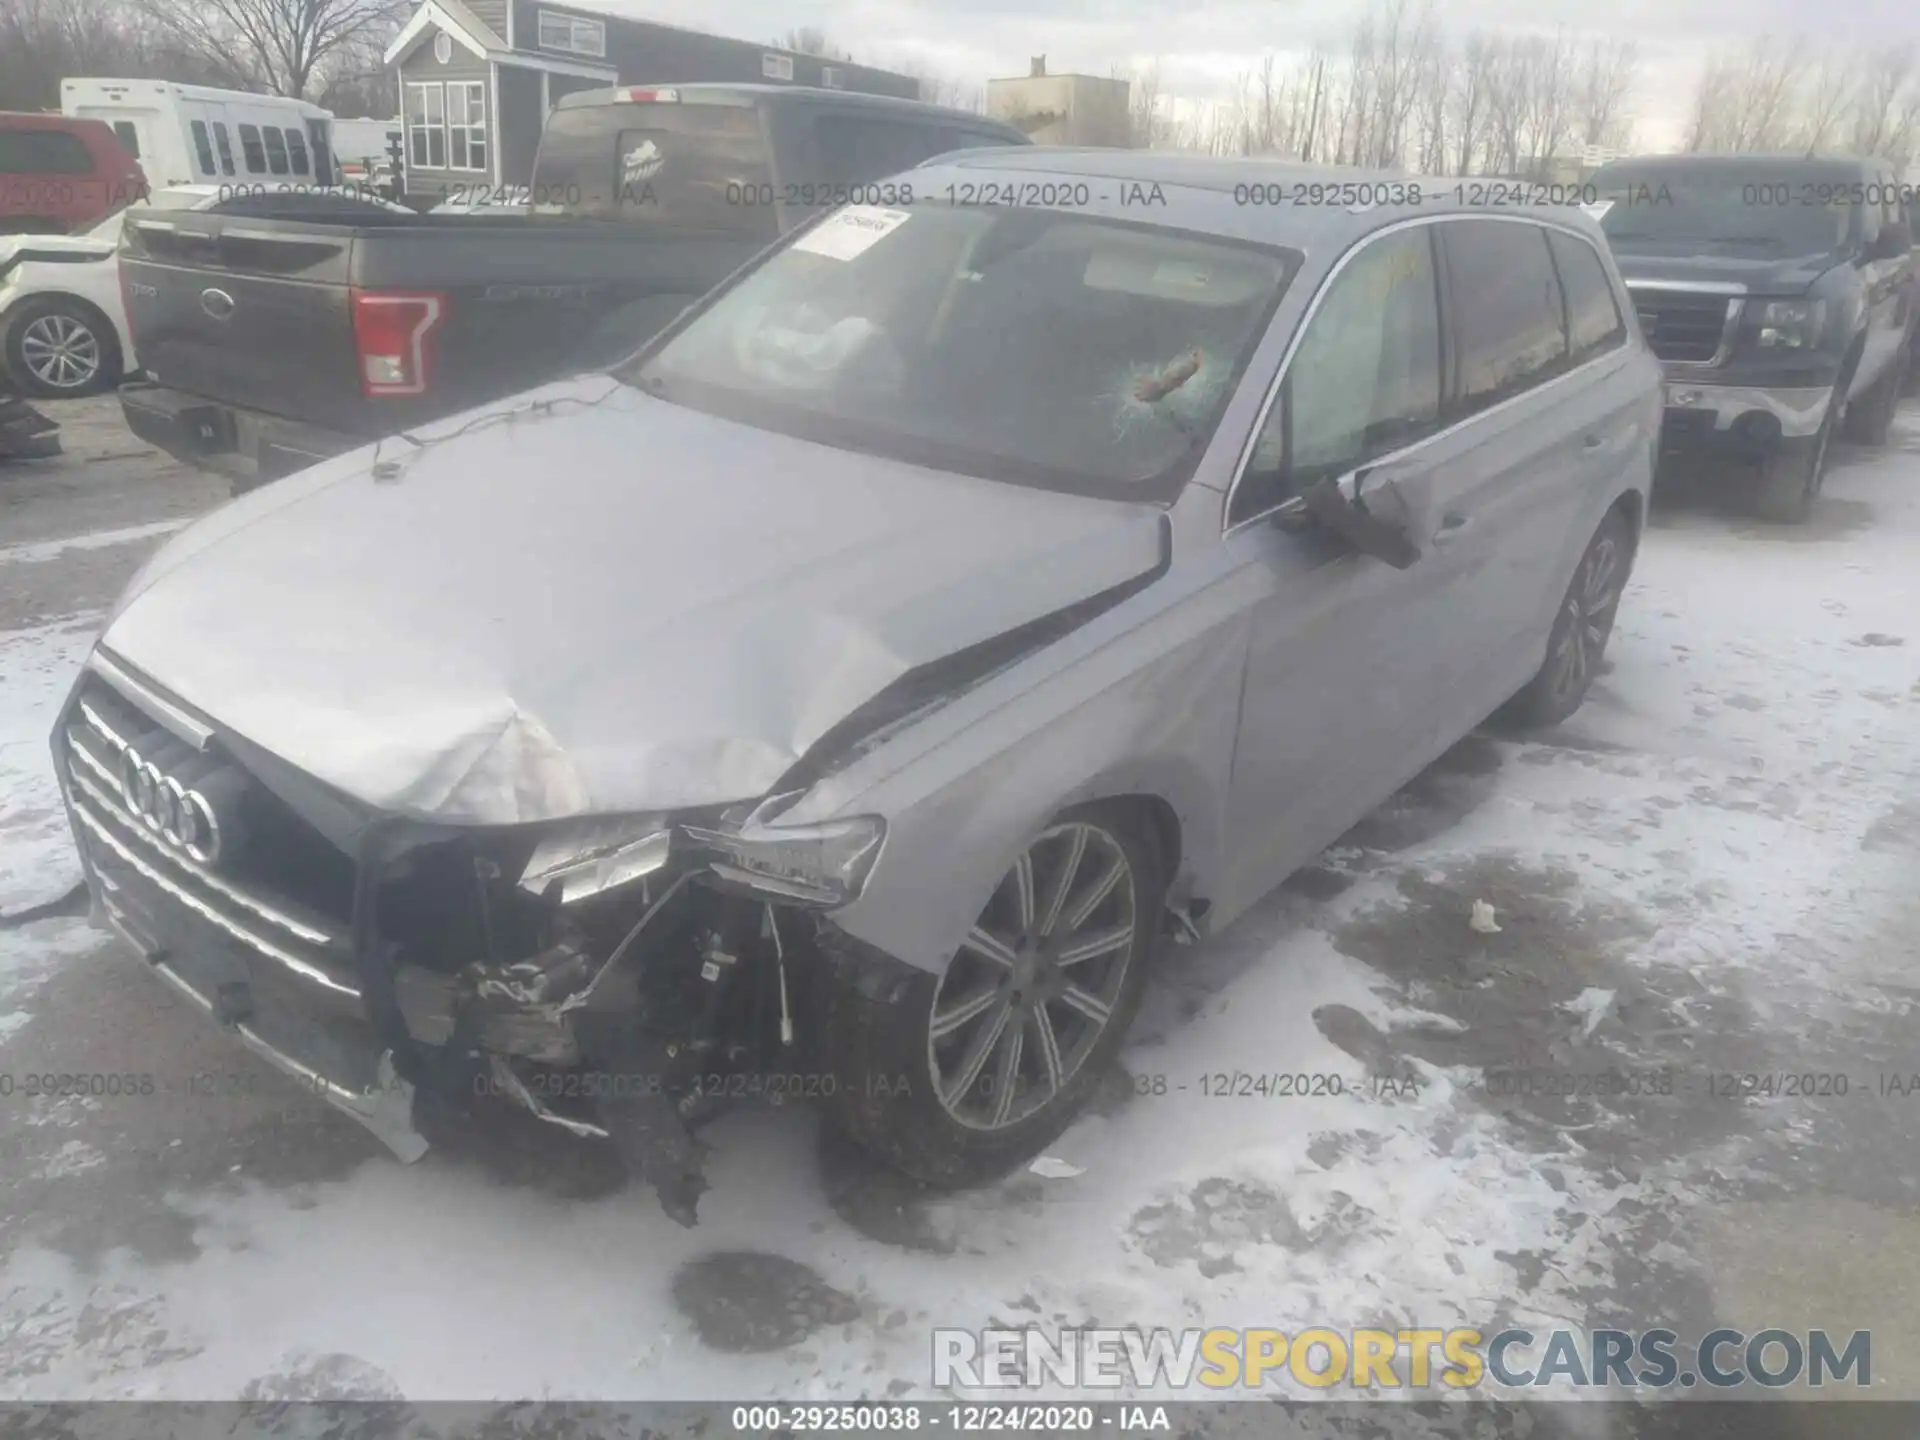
{"x": 718, "y": 723}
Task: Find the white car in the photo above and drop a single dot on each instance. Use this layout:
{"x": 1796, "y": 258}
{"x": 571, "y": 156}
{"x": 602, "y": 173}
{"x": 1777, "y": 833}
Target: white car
{"x": 63, "y": 325}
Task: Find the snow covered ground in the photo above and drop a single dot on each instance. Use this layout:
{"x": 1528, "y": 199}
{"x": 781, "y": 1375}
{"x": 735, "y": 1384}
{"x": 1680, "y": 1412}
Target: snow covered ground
{"x": 1701, "y": 873}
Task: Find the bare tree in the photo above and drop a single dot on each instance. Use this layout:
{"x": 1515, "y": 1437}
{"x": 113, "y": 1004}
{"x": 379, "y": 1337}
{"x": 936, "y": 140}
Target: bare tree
{"x": 812, "y": 40}
{"x": 937, "y": 87}
{"x": 1149, "y": 128}
{"x": 1885, "y": 110}
{"x": 286, "y": 44}
{"x": 1748, "y": 101}
{"x": 1544, "y": 72}
{"x": 1608, "y": 69}
{"x": 1470, "y": 101}
{"x": 355, "y": 83}
{"x": 42, "y": 41}
{"x": 1431, "y": 86}
{"x": 1509, "y": 78}
{"x": 1825, "y": 98}
{"x": 1794, "y": 96}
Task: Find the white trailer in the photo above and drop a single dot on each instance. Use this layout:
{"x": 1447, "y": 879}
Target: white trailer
{"x": 195, "y": 134}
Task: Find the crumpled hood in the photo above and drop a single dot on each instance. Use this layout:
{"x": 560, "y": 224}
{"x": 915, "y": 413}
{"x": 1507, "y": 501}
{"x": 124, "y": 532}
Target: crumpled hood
{"x": 610, "y": 604}
{"x": 1764, "y": 275}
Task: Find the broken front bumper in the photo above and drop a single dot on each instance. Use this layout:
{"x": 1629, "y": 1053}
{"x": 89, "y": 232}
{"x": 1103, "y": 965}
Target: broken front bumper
{"x": 278, "y": 975}
{"x": 375, "y": 1095}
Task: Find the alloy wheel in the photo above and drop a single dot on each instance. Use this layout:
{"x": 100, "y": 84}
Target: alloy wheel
{"x": 1036, "y": 980}
{"x": 60, "y": 351}
{"x": 1592, "y": 601}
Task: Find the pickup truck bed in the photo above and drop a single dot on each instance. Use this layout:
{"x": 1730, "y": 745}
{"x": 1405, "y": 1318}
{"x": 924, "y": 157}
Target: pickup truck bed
{"x": 273, "y": 342}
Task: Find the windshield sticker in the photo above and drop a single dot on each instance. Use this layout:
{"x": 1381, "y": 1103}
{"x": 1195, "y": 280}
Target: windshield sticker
{"x": 1179, "y": 392}
{"x": 641, "y": 163}
{"x": 1182, "y": 272}
{"x": 851, "y": 231}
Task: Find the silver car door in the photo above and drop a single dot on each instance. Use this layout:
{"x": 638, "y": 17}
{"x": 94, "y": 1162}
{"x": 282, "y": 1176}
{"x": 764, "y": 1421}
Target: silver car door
{"x": 1337, "y": 708}
{"x": 1529, "y": 439}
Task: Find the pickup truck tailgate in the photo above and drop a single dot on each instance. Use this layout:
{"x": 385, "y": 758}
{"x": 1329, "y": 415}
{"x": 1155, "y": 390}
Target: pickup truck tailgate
{"x": 259, "y": 314}
{"x": 238, "y": 313}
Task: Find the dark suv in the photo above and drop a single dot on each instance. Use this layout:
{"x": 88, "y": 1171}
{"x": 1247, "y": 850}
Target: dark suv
{"x": 1779, "y": 293}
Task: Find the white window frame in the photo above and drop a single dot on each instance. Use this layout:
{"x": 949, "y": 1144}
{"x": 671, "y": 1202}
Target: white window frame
{"x": 582, "y": 36}
{"x": 467, "y": 136}
{"x": 832, "y": 77}
{"x": 423, "y": 126}
{"x": 776, "y": 67}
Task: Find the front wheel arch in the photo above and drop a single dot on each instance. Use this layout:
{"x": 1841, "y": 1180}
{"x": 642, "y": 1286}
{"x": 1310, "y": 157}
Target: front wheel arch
{"x": 876, "y": 1015}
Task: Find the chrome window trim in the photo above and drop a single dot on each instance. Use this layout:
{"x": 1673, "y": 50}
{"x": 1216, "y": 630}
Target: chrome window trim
{"x": 1691, "y": 287}
{"x": 1293, "y": 504}
{"x": 157, "y": 707}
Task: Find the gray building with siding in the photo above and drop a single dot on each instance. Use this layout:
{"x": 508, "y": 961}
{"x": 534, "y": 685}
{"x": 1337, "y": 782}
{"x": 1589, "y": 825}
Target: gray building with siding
{"x": 477, "y": 78}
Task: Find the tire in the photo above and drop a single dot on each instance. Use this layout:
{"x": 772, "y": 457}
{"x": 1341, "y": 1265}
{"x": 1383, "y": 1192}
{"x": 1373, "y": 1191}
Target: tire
{"x": 59, "y": 349}
{"x": 901, "y": 1090}
{"x": 1581, "y": 628}
{"x": 1789, "y": 479}
{"x": 1870, "y": 418}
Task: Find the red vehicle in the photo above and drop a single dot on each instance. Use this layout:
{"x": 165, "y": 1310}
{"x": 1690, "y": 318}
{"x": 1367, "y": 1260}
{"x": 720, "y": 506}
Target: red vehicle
{"x": 59, "y": 174}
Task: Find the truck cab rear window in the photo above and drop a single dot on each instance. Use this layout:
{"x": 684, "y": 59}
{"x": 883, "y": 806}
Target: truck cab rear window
{"x": 688, "y": 167}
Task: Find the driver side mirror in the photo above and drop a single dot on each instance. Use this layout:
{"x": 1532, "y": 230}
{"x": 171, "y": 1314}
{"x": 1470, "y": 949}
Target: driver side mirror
{"x": 1375, "y": 525}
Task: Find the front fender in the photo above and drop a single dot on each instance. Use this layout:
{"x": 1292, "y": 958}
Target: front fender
{"x": 1110, "y": 725}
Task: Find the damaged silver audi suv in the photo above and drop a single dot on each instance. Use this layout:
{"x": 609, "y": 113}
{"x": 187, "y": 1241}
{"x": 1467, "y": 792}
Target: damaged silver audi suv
{"x": 844, "y": 697}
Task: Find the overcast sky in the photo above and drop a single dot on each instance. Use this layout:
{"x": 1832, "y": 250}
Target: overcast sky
{"x": 1202, "y": 47}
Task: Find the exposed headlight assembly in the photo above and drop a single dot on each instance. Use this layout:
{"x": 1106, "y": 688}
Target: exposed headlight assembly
{"x": 593, "y": 856}
{"x": 1787, "y": 324}
{"x": 823, "y": 864}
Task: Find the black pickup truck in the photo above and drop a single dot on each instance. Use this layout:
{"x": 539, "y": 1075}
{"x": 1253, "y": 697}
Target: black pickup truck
{"x": 280, "y": 337}
{"x": 1782, "y": 297}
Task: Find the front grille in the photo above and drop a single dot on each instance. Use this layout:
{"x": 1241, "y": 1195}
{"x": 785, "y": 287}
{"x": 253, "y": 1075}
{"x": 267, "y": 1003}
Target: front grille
{"x": 1683, "y": 326}
{"x": 308, "y": 944}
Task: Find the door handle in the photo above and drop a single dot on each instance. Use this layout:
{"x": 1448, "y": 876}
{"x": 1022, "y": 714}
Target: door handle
{"x": 1593, "y": 442}
{"x": 1450, "y": 528}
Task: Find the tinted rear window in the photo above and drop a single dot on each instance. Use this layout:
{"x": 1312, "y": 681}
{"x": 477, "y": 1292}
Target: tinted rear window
{"x": 1594, "y": 324}
{"x": 691, "y": 167}
{"x": 857, "y": 149}
{"x": 1508, "y": 318}
{"x": 43, "y": 152}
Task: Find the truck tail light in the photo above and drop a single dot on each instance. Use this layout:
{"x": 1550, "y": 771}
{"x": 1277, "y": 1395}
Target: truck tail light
{"x": 657, "y": 96}
{"x": 126, "y": 295}
{"x": 393, "y": 334}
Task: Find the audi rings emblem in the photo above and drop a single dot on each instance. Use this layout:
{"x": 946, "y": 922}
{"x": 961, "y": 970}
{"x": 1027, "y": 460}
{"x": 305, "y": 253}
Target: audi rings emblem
{"x": 183, "y": 818}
